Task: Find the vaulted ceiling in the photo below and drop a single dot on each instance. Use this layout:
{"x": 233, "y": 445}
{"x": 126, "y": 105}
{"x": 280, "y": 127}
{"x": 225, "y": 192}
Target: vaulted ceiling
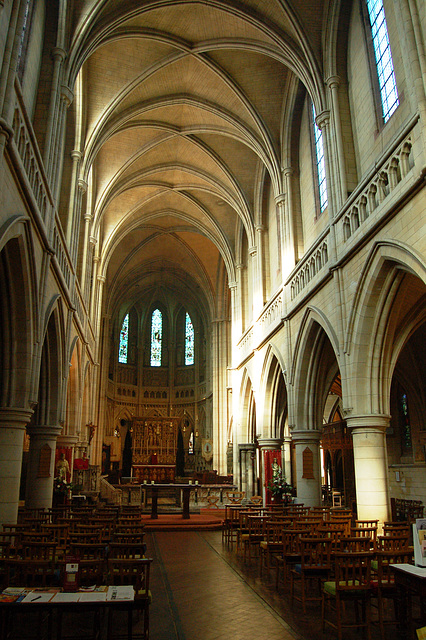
{"x": 180, "y": 111}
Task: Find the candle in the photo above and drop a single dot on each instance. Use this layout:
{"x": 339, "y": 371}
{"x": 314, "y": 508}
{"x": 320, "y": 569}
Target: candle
{"x": 190, "y": 482}
{"x": 196, "y": 482}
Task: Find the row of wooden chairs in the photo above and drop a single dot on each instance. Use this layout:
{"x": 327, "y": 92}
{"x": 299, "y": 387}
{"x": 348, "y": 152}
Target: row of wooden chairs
{"x": 343, "y": 558}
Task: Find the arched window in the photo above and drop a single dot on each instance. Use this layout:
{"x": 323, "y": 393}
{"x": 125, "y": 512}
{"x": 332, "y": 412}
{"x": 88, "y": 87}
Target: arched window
{"x": 189, "y": 340}
{"x": 383, "y": 56}
{"x": 320, "y": 163}
{"x": 124, "y": 341}
{"x": 406, "y": 441}
{"x": 156, "y": 337}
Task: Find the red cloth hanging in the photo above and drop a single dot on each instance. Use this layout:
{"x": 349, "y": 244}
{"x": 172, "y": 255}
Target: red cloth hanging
{"x": 268, "y": 459}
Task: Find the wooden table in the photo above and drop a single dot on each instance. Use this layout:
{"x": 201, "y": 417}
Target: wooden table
{"x": 410, "y": 581}
{"x": 156, "y": 489}
{"x": 49, "y": 625}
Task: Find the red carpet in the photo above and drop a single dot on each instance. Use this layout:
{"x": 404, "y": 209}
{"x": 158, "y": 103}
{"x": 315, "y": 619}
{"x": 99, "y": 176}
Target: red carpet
{"x": 207, "y": 519}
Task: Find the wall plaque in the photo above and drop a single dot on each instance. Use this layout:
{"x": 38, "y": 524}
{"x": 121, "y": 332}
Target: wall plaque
{"x": 308, "y": 464}
{"x": 44, "y": 462}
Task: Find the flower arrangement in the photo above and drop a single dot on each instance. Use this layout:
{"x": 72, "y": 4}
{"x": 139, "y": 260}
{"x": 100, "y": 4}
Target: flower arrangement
{"x": 61, "y": 487}
{"x": 280, "y": 488}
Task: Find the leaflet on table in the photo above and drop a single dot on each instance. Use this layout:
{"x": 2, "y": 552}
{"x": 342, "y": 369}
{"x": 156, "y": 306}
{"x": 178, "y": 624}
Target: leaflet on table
{"x": 419, "y": 541}
{"x": 39, "y": 596}
{"x": 125, "y": 592}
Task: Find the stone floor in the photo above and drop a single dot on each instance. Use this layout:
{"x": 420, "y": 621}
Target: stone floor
{"x": 204, "y": 591}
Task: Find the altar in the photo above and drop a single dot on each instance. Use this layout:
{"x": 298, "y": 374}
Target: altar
{"x": 158, "y": 473}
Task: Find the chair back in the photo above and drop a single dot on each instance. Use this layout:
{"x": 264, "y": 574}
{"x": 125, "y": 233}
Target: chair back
{"x": 134, "y": 571}
{"x": 315, "y": 554}
{"x": 385, "y": 560}
{"x": 352, "y": 571}
{"x": 235, "y": 497}
{"x": 88, "y": 551}
{"x": 393, "y": 542}
{"x": 356, "y": 544}
{"x": 127, "y": 550}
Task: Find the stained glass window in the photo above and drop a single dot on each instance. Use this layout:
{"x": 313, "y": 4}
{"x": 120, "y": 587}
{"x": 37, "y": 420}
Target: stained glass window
{"x": 124, "y": 341}
{"x": 156, "y": 337}
{"x": 407, "y": 444}
{"x": 319, "y": 150}
{"x": 383, "y": 56}
{"x": 189, "y": 340}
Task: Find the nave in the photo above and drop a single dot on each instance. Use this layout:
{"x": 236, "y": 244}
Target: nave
{"x": 202, "y": 590}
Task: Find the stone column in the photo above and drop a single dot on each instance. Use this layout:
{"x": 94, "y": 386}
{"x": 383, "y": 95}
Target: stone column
{"x": 12, "y": 429}
{"x": 342, "y": 192}
{"x": 286, "y": 458}
{"x": 58, "y": 56}
{"x": 76, "y": 156}
{"x": 41, "y": 466}
{"x": 247, "y": 454}
{"x": 371, "y": 468}
{"x": 308, "y": 467}
{"x": 281, "y": 232}
{"x": 267, "y": 444}
{"x": 87, "y": 222}
{"x": 259, "y": 293}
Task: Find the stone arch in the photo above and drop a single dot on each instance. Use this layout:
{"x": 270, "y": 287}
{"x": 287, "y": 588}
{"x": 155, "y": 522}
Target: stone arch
{"x": 247, "y": 410}
{"x": 389, "y": 306}
{"x": 274, "y": 393}
{"x": 52, "y": 369}
{"x": 315, "y": 366}
{"x": 18, "y": 317}
{"x": 74, "y": 391}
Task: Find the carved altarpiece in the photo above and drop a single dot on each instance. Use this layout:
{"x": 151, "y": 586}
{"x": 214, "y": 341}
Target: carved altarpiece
{"x": 154, "y": 446}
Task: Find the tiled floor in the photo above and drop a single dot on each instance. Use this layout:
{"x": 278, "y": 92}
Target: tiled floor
{"x": 203, "y": 591}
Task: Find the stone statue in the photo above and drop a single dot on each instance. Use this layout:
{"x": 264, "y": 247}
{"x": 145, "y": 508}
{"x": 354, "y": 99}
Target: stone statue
{"x": 276, "y": 469}
{"x": 62, "y": 467}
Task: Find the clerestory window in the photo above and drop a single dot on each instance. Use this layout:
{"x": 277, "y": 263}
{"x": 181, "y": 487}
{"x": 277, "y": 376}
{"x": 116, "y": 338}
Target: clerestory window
{"x": 383, "y": 58}
{"x": 320, "y": 163}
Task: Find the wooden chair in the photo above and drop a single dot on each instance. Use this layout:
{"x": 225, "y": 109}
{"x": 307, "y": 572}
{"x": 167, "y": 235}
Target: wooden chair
{"x": 129, "y": 529}
{"x": 344, "y": 521}
{"x": 36, "y": 566}
{"x": 135, "y": 572}
{"x": 384, "y": 587}
{"x": 88, "y": 551}
{"x": 351, "y": 584}
{"x": 233, "y": 523}
{"x": 314, "y": 567}
{"x": 393, "y": 542}
{"x": 354, "y": 544}
{"x": 235, "y": 497}
{"x": 272, "y": 542}
{"x": 256, "y": 500}
{"x": 255, "y": 534}
{"x": 57, "y": 533}
{"x": 291, "y": 553}
{"x": 128, "y": 537}
{"x": 126, "y": 550}
{"x": 365, "y": 532}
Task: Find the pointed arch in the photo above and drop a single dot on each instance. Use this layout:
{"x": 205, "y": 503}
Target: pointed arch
{"x": 379, "y": 326}
{"x": 315, "y": 365}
